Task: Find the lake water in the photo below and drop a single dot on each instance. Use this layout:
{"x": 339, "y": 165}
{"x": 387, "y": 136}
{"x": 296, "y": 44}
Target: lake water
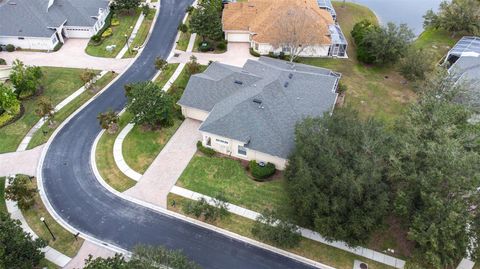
{"x": 401, "y": 11}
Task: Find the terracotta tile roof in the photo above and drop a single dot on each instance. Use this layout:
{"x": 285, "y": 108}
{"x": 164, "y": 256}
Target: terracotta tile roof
{"x": 265, "y": 18}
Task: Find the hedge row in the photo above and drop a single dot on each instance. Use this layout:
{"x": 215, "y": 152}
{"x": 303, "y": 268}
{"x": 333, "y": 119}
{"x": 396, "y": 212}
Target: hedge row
{"x": 261, "y": 172}
{"x": 207, "y": 151}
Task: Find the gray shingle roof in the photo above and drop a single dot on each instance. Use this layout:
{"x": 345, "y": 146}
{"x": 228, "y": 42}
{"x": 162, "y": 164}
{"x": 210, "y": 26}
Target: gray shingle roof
{"x": 31, "y": 18}
{"x": 288, "y": 93}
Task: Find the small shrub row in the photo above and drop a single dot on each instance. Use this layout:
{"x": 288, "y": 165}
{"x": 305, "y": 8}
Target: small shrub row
{"x": 3, "y": 62}
{"x": 254, "y": 53}
{"x": 207, "y": 151}
{"x": 261, "y": 172}
{"x": 201, "y": 208}
{"x": 10, "y": 48}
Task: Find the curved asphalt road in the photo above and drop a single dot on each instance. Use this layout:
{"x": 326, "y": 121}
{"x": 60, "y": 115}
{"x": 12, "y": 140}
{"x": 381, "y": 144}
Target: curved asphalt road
{"x": 79, "y": 199}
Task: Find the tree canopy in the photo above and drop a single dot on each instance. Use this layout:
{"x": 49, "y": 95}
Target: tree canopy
{"x": 455, "y": 16}
{"x": 17, "y": 248}
{"x": 336, "y": 176}
{"x": 206, "y": 20}
{"x": 381, "y": 44}
{"x": 436, "y": 173}
{"x": 125, "y": 5}
{"x": 149, "y": 105}
{"x": 25, "y": 79}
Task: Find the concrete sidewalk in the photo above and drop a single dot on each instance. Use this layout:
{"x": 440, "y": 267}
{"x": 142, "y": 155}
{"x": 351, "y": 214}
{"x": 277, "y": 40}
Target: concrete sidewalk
{"x": 88, "y": 248}
{"x": 72, "y": 54}
{"x": 161, "y": 176}
{"x": 24, "y": 162}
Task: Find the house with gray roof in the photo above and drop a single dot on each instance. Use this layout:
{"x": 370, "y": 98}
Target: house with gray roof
{"x": 464, "y": 61}
{"x": 251, "y": 112}
{"x": 42, "y": 24}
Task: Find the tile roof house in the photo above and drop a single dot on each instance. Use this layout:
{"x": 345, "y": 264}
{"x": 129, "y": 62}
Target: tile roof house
{"x": 251, "y": 112}
{"x": 464, "y": 61}
{"x": 42, "y": 24}
{"x": 261, "y": 23}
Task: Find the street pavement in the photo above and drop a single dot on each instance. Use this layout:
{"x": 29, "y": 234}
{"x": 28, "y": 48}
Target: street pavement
{"x": 81, "y": 201}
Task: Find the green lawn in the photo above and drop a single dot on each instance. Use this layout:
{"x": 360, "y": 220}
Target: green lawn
{"x": 3, "y": 206}
{"x": 65, "y": 241}
{"x": 371, "y": 90}
{"x": 127, "y": 22}
{"x": 44, "y": 133}
{"x": 182, "y": 43}
{"x": 142, "y": 34}
{"x": 141, "y": 147}
{"x": 308, "y": 248}
{"x": 213, "y": 175}
{"x": 58, "y": 83}
{"x": 166, "y": 74}
{"x": 437, "y": 41}
{"x": 106, "y": 163}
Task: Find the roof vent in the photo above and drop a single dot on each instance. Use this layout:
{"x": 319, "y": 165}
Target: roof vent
{"x": 238, "y": 82}
{"x": 257, "y": 101}
{"x": 290, "y": 76}
{"x": 286, "y": 84}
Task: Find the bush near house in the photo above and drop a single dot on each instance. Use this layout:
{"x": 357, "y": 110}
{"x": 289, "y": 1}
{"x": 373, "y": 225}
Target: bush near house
{"x": 260, "y": 172}
{"x": 107, "y": 33}
{"x": 207, "y": 151}
{"x": 2, "y": 61}
{"x": 10, "y": 48}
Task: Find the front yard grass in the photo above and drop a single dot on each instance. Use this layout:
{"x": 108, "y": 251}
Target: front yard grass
{"x": 214, "y": 175}
{"x": 65, "y": 241}
{"x": 127, "y": 22}
{"x": 307, "y": 248}
{"x": 44, "y": 133}
{"x": 58, "y": 84}
{"x": 106, "y": 163}
{"x": 142, "y": 34}
{"x": 373, "y": 91}
{"x": 184, "y": 39}
{"x": 141, "y": 147}
{"x": 163, "y": 78}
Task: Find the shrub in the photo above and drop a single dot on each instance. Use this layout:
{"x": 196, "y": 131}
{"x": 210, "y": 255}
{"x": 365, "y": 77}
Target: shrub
{"x": 342, "y": 88}
{"x": 19, "y": 191}
{"x": 183, "y": 28}
{"x": 269, "y": 228}
{"x": 201, "y": 208}
{"x": 96, "y": 38}
{"x": 10, "y": 48}
{"x": 2, "y": 61}
{"x": 222, "y": 45}
{"x": 254, "y": 53}
{"x": 115, "y": 22}
{"x": 261, "y": 172}
{"x": 207, "y": 151}
{"x": 107, "y": 33}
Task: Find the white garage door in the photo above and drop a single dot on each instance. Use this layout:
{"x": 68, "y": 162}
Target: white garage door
{"x": 238, "y": 37}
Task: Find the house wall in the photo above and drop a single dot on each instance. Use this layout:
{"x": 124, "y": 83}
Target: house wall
{"x": 87, "y": 32}
{"x": 193, "y": 113}
{"x": 229, "y": 147}
{"x": 237, "y": 36}
{"x": 5, "y": 72}
{"x": 33, "y": 43}
{"x": 312, "y": 51}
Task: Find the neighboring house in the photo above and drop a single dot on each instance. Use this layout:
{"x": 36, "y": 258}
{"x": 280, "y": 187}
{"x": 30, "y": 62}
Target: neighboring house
{"x": 260, "y": 23}
{"x": 327, "y": 5}
{"x": 43, "y": 24}
{"x": 464, "y": 61}
{"x": 251, "y": 112}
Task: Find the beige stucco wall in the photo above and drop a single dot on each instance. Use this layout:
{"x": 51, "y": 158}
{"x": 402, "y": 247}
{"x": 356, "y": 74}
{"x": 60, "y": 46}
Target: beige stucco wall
{"x": 34, "y": 43}
{"x": 312, "y": 51}
{"x": 229, "y": 147}
{"x": 5, "y": 72}
{"x": 193, "y": 113}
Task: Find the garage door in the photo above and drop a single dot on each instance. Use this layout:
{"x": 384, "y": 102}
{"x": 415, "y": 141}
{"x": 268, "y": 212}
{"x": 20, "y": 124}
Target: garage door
{"x": 238, "y": 37}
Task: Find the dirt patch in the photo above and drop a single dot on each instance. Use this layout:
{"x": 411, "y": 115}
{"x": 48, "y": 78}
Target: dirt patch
{"x": 393, "y": 235}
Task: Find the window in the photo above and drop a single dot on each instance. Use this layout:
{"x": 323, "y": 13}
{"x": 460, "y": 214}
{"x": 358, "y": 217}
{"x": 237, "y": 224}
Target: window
{"x": 221, "y": 141}
{"x": 242, "y": 150}
{"x": 209, "y": 141}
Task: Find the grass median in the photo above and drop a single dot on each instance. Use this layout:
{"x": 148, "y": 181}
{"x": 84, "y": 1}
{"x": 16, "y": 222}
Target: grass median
{"x": 307, "y": 248}
{"x": 58, "y": 84}
{"x": 142, "y": 34}
{"x": 65, "y": 241}
{"x": 106, "y": 163}
{"x": 44, "y": 133}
